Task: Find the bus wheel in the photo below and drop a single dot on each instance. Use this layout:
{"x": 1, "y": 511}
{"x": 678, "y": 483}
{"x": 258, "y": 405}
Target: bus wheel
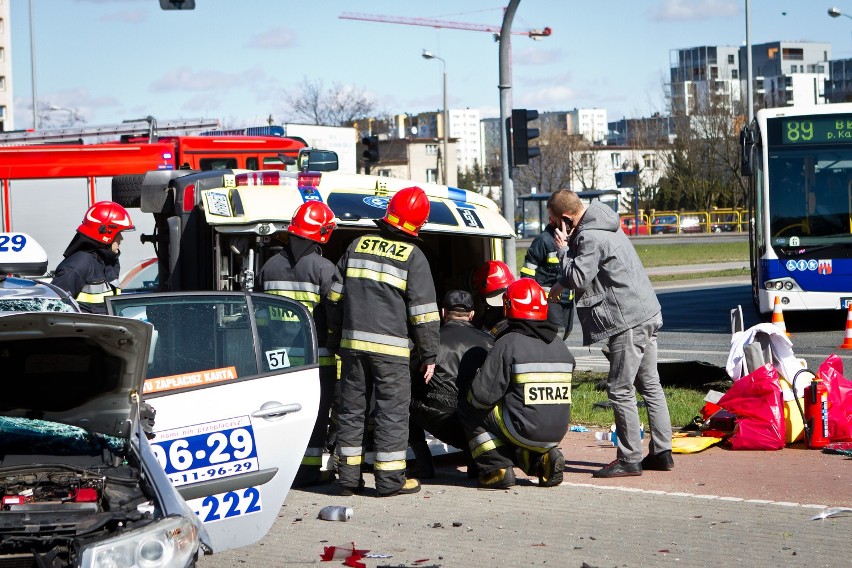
{"x": 127, "y": 190}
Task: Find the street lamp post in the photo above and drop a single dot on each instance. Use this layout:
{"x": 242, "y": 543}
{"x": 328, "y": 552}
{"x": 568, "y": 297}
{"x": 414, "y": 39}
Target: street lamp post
{"x": 836, "y": 13}
{"x": 429, "y": 55}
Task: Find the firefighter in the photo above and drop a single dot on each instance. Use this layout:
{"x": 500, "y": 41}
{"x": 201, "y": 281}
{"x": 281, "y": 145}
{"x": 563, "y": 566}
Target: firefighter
{"x": 386, "y": 290}
{"x": 490, "y": 281}
{"x": 518, "y": 408}
{"x": 542, "y": 263}
{"x": 300, "y": 272}
{"x": 90, "y": 269}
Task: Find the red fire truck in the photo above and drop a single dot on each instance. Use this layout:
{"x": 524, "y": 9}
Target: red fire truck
{"x": 48, "y": 179}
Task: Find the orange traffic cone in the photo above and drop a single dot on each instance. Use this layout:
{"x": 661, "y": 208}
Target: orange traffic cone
{"x": 778, "y": 316}
{"x": 847, "y": 341}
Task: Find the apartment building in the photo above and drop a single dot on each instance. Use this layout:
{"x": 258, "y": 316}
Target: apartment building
{"x": 704, "y": 77}
{"x": 788, "y": 72}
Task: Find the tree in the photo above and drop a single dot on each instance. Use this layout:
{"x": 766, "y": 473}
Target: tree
{"x": 554, "y": 168}
{"x": 475, "y": 178}
{"x": 703, "y": 166}
{"x": 311, "y": 103}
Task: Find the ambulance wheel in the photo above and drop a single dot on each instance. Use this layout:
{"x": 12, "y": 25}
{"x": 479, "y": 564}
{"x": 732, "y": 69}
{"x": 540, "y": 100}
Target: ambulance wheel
{"x": 127, "y": 190}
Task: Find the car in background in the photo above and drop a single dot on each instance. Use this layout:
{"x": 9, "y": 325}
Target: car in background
{"x": 673, "y": 224}
{"x": 22, "y": 260}
{"x": 724, "y": 224}
{"x": 628, "y": 225}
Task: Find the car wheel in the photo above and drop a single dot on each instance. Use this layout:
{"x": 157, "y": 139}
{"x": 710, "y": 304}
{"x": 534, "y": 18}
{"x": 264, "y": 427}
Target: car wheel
{"x": 717, "y": 230}
{"x": 127, "y": 190}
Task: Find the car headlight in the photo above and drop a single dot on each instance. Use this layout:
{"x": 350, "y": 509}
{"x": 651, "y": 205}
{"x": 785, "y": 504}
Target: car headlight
{"x": 172, "y": 541}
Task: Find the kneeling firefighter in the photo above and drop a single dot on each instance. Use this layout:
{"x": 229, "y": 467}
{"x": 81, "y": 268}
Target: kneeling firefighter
{"x": 519, "y": 405}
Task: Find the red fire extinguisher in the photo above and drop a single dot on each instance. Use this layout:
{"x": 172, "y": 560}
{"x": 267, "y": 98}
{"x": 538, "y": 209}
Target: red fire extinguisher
{"x": 816, "y": 414}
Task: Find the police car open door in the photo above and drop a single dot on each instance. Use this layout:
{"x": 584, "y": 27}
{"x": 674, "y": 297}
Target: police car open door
{"x": 234, "y": 381}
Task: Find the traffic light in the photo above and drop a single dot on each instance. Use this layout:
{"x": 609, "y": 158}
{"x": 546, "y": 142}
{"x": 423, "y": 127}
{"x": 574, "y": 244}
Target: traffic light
{"x": 522, "y": 152}
{"x": 371, "y": 154}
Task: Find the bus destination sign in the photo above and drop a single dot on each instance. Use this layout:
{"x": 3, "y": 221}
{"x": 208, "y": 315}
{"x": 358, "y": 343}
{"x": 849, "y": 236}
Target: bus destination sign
{"x": 817, "y": 129}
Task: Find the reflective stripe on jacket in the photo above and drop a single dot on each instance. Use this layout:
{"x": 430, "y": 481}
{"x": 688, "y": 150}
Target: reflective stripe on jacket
{"x": 528, "y": 384}
{"x": 386, "y": 289}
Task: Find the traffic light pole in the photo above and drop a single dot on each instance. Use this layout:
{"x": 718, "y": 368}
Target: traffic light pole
{"x": 505, "y": 88}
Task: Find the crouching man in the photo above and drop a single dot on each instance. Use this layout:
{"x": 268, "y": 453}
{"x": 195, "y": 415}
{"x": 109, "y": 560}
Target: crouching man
{"x": 519, "y": 404}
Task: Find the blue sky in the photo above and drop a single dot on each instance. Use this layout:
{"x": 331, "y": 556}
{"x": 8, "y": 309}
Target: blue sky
{"x": 113, "y": 60}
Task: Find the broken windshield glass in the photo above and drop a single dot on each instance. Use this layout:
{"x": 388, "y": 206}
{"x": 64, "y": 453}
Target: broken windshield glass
{"x": 31, "y": 436}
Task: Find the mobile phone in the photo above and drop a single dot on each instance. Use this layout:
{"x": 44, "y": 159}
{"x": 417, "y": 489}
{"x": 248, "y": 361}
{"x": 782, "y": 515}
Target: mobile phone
{"x": 569, "y": 224}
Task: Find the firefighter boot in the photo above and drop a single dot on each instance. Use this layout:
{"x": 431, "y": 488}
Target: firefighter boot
{"x": 502, "y": 478}
{"x": 550, "y": 468}
{"x": 410, "y": 486}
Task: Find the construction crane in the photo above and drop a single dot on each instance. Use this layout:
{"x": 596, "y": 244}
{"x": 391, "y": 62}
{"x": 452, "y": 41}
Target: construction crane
{"x": 534, "y": 34}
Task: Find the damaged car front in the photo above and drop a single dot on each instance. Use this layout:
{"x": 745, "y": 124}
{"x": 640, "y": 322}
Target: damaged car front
{"x": 79, "y": 482}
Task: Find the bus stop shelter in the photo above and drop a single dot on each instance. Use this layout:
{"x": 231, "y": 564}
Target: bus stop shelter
{"x": 533, "y": 208}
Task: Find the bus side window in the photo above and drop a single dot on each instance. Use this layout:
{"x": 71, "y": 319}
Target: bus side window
{"x": 251, "y": 163}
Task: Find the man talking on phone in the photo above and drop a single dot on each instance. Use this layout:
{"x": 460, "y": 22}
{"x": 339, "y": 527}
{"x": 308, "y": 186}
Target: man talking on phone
{"x": 615, "y": 301}
{"x": 542, "y": 264}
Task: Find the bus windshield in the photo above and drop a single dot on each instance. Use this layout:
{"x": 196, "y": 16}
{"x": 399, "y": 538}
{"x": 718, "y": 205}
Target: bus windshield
{"x": 811, "y": 198}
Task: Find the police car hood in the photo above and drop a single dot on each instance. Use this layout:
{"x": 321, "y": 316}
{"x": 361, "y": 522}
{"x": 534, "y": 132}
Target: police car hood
{"x": 83, "y": 370}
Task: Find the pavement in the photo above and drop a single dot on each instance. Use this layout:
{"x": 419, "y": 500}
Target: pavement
{"x": 715, "y": 508}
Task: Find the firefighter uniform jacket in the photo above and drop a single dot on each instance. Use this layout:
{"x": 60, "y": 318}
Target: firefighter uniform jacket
{"x": 305, "y": 276}
{"x": 527, "y": 382}
{"x": 543, "y": 264}
{"x": 89, "y": 275}
{"x": 387, "y": 290}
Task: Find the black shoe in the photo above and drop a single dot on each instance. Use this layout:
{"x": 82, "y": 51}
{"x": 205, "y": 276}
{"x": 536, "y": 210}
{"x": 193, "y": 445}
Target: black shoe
{"x": 619, "y": 468}
{"x": 550, "y": 468}
{"x": 410, "y": 486}
{"x": 659, "y": 462}
{"x": 503, "y": 478}
{"x": 345, "y": 491}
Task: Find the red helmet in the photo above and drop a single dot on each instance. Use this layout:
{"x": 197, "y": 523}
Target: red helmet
{"x": 104, "y": 221}
{"x": 408, "y": 210}
{"x": 525, "y": 299}
{"x": 491, "y": 279}
{"x": 313, "y": 220}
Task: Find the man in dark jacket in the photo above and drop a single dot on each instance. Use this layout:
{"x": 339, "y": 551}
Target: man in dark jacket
{"x": 91, "y": 269}
{"x": 519, "y": 405}
{"x": 387, "y": 297}
{"x": 542, "y": 263}
{"x": 301, "y": 273}
{"x": 616, "y": 302}
{"x": 461, "y": 353}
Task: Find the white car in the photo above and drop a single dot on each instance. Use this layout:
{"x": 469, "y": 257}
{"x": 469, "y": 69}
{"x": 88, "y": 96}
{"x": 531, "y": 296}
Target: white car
{"x": 22, "y": 257}
{"x": 234, "y": 381}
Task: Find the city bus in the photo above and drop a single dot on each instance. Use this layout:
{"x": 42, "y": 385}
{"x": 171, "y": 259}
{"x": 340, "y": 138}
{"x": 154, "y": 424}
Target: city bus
{"x": 799, "y": 160}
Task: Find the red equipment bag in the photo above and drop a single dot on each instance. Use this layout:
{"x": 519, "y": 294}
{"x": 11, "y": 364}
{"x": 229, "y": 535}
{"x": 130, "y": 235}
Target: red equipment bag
{"x": 758, "y": 404}
{"x": 839, "y": 399}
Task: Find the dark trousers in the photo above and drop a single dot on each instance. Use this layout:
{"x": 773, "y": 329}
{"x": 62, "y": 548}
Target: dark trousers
{"x": 309, "y": 469}
{"x": 390, "y": 381}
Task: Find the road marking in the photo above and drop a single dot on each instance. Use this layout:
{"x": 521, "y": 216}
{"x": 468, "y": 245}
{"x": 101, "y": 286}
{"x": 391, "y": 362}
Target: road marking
{"x": 695, "y": 495}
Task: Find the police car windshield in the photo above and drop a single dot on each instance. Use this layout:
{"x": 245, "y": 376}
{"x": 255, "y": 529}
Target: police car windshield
{"x": 35, "y": 305}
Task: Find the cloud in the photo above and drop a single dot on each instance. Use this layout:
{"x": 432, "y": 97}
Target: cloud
{"x": 275, "y": 38}
{"x": 204, "y": 103}
{"x": 185, "y": 79}
{"x": 536, "y": 56}
{"x": 690, "y": 10}
{"x": 129, "y": 17}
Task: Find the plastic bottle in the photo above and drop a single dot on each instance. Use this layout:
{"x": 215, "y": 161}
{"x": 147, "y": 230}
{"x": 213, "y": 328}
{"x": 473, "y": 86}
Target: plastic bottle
{"x": 335, "y": 513}
{"x": 612, "y": 438}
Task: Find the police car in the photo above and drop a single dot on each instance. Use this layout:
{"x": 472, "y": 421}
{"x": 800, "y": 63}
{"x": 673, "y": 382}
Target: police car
{"x": 235, "y": 395}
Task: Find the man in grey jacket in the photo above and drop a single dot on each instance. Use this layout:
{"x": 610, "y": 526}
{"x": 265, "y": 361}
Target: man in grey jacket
{"x": 615, "y": 301}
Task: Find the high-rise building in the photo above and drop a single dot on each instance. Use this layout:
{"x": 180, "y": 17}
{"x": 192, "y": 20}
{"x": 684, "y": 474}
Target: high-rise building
{"x": 704, "y": 77}
{"x": 7, "y": 121}
{"x": 464, "y": 129}
{"x": 788, "y": 72}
